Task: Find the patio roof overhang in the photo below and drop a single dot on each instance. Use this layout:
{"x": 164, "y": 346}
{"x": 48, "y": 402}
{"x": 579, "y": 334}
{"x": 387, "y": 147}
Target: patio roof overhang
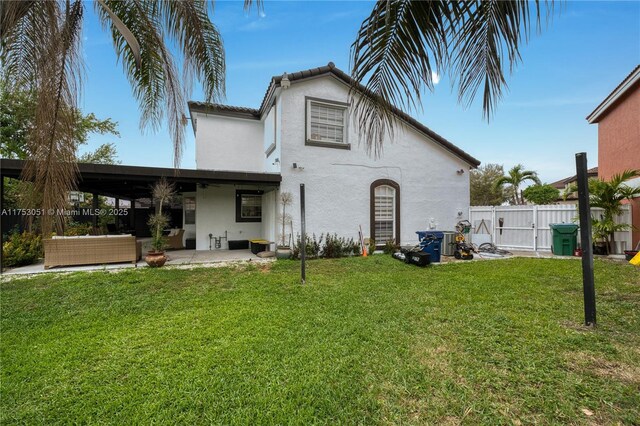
{"x": 130, "y": 182}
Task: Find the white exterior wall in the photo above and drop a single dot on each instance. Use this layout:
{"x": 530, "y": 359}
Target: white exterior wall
{"x": 226, "y": 143}
{"x": 338, "y": 181}
{"x": 272, "y": 125}
{"x": 216, "y": 213}
{"x": 189, "y": 230}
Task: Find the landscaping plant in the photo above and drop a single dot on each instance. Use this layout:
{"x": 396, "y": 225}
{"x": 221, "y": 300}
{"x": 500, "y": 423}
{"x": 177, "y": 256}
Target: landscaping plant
{"x": 609, "y": 195}
{"x": 390, "y": 247}
{"x": 541, "y": 194}
{"x": 372, "y": 246}
{"x": 162, "y": 193}
{"x": 312, "y": 246}
{"x": 21, "y": 249}
{"x": 77, "y": 228}
{"x": 335, "y": 246}
{"x": 286, "y": 198}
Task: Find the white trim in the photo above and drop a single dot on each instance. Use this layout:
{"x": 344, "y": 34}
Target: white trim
{"x": 614, "y": 96}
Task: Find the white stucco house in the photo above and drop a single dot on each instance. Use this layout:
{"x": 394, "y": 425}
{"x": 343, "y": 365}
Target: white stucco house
{"x": 303, "y": 131}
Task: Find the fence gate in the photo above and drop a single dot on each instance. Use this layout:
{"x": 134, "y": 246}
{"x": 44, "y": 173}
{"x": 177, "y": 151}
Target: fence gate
{"x": 527, "y": 227}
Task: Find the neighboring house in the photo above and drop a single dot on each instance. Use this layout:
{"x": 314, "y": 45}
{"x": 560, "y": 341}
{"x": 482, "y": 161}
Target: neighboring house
{"x": 618, "y": 119}
{"x": 304, "y": 131}
{"x": 563, "y": 185}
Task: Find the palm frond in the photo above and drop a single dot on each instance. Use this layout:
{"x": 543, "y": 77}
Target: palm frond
{"x": 502, "y": 181}
{"x": 397, "y": 48}
{"x": 51, "y": 164}
{"x": 488, "y": 35}
{"x": 403, "y": 42}
{"x": 26, "y": 29}
{"x": 156, "y": 83}
{"x": 188, "y": 23}
{"x": 248, "y": 4}
{"x": 126, "y": 33}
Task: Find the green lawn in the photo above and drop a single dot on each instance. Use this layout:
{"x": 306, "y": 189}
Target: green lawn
{"x": 367, "y": 341}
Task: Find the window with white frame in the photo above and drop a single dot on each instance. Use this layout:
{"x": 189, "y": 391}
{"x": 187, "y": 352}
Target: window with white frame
{"x": 385, "y": 209}
{"x": 326, "y": 122}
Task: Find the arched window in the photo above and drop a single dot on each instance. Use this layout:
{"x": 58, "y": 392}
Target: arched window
{"x": 385, "y": 211}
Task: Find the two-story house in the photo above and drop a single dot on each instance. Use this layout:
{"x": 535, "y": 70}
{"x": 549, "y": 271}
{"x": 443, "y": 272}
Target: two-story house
{"x": 304, "y": 131}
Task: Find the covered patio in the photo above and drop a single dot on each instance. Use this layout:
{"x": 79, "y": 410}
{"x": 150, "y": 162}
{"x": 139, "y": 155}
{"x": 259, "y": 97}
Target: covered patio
{"x": 134, "y": 183}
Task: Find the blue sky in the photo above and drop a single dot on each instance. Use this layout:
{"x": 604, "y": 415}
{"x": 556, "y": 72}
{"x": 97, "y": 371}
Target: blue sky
{"x": 566, "y": 71}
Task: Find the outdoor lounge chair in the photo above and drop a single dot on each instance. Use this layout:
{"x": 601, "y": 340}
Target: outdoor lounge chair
{"x": 174, "y": 242}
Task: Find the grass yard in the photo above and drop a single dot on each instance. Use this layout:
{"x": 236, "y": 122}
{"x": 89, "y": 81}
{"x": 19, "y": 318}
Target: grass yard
{"x": 367, "y": 341}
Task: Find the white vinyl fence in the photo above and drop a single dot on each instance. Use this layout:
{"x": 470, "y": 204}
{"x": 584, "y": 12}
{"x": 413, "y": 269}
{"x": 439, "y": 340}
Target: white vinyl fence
{"x": 527, "y": 227}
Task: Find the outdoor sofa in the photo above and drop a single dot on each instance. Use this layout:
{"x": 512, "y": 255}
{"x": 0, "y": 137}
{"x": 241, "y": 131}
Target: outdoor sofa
{"x": 91, "y": 250}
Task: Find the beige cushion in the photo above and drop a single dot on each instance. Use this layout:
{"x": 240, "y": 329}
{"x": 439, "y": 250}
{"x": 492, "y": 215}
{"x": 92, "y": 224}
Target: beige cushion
{"x": 266, "y": 254}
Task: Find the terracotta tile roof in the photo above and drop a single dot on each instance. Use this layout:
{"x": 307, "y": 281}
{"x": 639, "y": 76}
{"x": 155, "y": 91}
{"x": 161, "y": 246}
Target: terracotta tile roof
{"x": 330, "y": 68}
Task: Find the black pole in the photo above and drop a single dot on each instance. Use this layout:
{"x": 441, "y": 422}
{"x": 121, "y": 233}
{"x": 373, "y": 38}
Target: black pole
{"x": 94, "y": 206}
{"x": 584, "y": 209}
{"x": 303, "y": 238}
{"x": 1, "y": 207}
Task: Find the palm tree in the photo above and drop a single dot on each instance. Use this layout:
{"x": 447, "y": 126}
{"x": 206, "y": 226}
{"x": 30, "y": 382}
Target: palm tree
{"x": 404, "y": 43}
{"x": 41, "y": 52}
{"x": 515, "y": 177}
{"x": 608, "y": 195}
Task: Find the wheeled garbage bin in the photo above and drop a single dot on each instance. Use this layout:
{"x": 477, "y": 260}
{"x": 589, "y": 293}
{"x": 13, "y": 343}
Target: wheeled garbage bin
{"x": 564, "y": 237}
{"x": 431, "y": 242}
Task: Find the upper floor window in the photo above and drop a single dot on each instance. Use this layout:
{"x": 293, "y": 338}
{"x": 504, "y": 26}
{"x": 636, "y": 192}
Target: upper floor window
{"x": 326, "y": 123}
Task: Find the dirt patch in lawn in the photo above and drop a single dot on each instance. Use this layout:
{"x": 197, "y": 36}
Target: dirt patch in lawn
{"x": 575, "y": 326}
{"x": 584, "y": 361}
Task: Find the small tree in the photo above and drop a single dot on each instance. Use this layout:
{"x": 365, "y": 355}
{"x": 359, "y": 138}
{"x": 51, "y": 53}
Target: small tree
{"x": 516, "y": 177}
{"x": 541, "y": 194}
{"x": 286, "y": 198}
{"x": 162, "y": 194}
{"x": 608, "y": 195}
{"x": 483, "y": 190}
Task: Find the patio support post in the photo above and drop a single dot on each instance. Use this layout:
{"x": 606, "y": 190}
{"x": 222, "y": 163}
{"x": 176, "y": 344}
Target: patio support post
{"x": 117, "y": 217}
{"x": 584, "y": 210}
{"x": 132, "y": 221}
{"x": 303, "y": 237}
{"x": 94, "y": 205}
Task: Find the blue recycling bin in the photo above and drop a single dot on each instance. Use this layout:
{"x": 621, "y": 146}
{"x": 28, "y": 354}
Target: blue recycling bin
{"x": 431, "y": 242}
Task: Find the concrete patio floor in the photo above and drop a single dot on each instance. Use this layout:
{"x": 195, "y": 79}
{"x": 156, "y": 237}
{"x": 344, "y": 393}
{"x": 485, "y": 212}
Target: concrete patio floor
{"x": 184, "y": 258}
{"x": 175, "y": 257}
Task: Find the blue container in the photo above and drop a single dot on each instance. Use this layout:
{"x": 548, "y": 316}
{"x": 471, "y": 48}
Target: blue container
{"x": 431, "y": 242}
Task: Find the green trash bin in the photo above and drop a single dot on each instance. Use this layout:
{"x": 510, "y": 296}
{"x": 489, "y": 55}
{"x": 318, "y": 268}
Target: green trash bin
{"x": 564, "y": 237}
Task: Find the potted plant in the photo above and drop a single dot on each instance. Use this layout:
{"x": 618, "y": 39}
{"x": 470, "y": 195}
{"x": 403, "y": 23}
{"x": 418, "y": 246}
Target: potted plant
{"x": 162, "y": 193}
{"x": 283, "y": 250}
